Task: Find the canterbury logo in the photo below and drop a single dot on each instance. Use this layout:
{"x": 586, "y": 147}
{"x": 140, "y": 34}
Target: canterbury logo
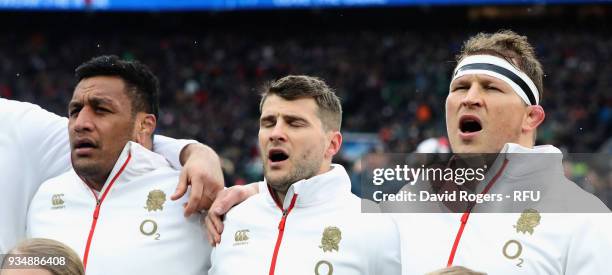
{"x": 241, "y": 235}
{"x": 57, "y": 201}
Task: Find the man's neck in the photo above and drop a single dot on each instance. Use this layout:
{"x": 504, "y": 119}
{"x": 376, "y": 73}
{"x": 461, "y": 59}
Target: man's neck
{"x": 282, "y": 194}
{"x": 281, "y": 197}
{"x": 95, "y": 183}
{"x": 474, "y": 160}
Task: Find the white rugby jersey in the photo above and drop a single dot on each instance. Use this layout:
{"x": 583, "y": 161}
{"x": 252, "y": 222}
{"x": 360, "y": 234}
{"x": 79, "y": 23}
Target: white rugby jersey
{"x": 514, "y": 243}
{"x": 131, "y": 226}
{"x": 34, "y": 147}
{"x": 319, "y": 230}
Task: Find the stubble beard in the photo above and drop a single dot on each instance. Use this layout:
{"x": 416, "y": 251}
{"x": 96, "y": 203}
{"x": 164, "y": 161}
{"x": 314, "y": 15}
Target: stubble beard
{"x": 303, "y": 168}
{"x": 92, "y": 172}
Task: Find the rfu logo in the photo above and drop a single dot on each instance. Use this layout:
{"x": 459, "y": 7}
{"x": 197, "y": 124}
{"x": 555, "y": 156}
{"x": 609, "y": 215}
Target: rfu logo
{"x": 241, "y": 237}
{"x": 57, "y": 201}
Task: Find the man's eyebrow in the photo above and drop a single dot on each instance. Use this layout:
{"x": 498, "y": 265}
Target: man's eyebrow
{"x": 294, "y": 118}
{"x": 267, "y": 118}
{"x": 74, "y": 104}
{"x": 98, "y": 100}
{"x": 460, "y": 81}
{"x": 93, "y": 100}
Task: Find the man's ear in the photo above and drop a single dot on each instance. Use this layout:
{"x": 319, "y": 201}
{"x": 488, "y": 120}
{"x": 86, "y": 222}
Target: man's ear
{"x": 145, "y": 127}
{"x": 334, "y": 144}
{"x": 534, "y": 117}
{"x": 148, "y": 122}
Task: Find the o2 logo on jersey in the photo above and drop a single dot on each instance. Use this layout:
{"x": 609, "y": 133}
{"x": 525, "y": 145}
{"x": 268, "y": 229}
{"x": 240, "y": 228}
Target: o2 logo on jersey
{"x": 527, "y": 222}
{"x": 149, "y": 228}
{"x": 324, "y": 268}
{"x": 513, "y": 250}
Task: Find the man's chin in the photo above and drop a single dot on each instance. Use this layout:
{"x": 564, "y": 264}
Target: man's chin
{"x": 473, "y": 149}
{"x": 85, "y": 167}
{"x": 275, "y": 177}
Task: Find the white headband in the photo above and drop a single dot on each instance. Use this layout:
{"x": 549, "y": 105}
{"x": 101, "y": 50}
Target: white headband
{"x": 502, "y": 70}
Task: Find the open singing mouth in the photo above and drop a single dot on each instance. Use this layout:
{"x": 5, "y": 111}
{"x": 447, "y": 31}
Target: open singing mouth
{"x": 277, "y": 155}
{"x": 469, "y": 124}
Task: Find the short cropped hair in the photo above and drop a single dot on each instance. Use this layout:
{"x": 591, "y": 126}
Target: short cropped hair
{"x": 142, "y": 85}
{"x": 302, "y": 86}
{"x": 50, "y": 249}
{"x": 510, "y": 46}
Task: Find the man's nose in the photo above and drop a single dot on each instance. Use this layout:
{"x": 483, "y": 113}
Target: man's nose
{"x": 84, "y": 120}
{"x": 473, "y": 97}
{"x": 278, "y": 132}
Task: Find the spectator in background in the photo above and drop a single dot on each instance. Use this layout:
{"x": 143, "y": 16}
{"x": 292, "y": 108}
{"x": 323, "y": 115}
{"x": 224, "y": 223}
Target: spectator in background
{"x": 393, "y": 74}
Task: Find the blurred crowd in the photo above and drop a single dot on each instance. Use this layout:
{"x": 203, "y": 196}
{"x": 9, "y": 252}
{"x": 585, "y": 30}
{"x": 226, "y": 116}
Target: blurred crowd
{"x": 392, "y": 82}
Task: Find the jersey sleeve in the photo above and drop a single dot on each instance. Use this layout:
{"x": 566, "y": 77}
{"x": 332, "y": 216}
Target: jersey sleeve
{"x": 170, "y": 148}
{"x": 41, "y": 136}
{"x": 590, "y": 248}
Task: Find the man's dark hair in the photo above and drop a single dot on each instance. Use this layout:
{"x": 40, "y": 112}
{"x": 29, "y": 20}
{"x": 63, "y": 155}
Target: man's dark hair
{"x": 141, "y": 84}
{"x": 302, "y": 86}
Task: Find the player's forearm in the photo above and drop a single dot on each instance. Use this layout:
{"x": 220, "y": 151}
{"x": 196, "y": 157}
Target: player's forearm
{"x": 200, "y": 150}
{"x": 201, "y": 169}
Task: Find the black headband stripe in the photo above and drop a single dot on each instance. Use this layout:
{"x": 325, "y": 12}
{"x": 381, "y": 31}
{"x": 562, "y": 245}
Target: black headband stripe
{"x": 503, "y": 71}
